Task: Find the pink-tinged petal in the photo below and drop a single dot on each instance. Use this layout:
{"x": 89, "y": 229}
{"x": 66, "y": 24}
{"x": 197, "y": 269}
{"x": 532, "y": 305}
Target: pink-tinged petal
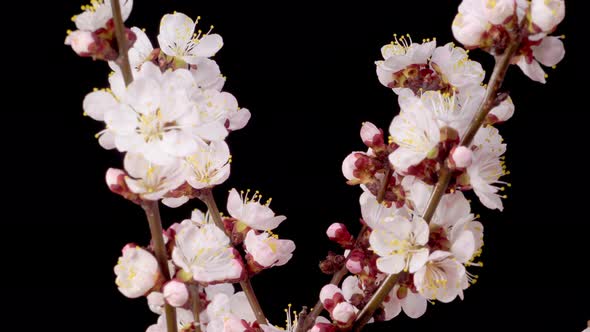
{"x": 239, "y": 119}
{"x": 391, "y": 264}
{"x": 350, "y": 287}
{"x": 418, "y": 259}
{"x": 235, "y": 204}
{"x": 414, "y": 304}
{"x": 550, "y": 52}
{"x": 393, "y": 306}
{"x": 107, "y": 140}
{"x": 533, "y": 70}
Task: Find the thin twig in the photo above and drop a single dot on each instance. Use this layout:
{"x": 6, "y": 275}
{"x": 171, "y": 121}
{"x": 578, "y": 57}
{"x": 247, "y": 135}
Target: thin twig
{"x": 309, "y": 319}
{"x": 151, "y": 208}
{"x": 196, "y": 306}
{"x": 152, "y": 213}
{"x": 123, "y": 58}
{"x": 207, "y": 198}
{"x": 489, "y": 102}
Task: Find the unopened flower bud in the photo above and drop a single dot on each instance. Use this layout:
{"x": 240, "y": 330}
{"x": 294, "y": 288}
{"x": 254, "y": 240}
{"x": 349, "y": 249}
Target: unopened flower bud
{"x": 468, "y": 30}
{"x": 330, "y": 296}
{"x": 547, "y": 14}
{"x": 354, "y": 261}
{"x": 371, "y": 135}
{"x": 81, "y": 42}
{"x": 112, "y": 177}
{"x": 344, "y": 313}
{"x": 358, "y": 168}
{"x": 156, "y": 302}
{"x": 461, "y": 157}
{"x": 175, "y": 293}
{"x": 338, "y": 233}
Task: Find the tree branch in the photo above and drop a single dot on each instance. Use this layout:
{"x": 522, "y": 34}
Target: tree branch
{"x": 309, "y": 319}
{"x": 123, "y": 58}
{"x": 152, "y": 213}
{"x": 500, "y": 69}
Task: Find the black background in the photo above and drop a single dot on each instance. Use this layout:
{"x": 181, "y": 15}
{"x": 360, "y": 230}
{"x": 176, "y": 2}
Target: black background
{"x": 306, "y": 72}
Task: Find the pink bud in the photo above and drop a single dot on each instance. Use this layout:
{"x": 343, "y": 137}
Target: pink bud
{"x": 461, "y": 157}
{"x": 323, "y": 327}
{"x": 128, "y": 246}
{"x": 338, "y": 233}
{"x": 354, "y": 267}
{"x": 328, "y": 292}
{"x": 371, "y": 135}
{"x": 112, "y": 177}
{"x": 354, "y": 261}
{"x": 344, "y": 313}
{"x": 175, "y": 293}
{"x": 81, "y": 41}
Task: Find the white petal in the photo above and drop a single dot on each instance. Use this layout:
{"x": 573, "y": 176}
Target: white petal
{"x": 391, "y": 264}
{"x": 414, "y": 304}
{"x": 533, "y": 70}
{"x": 550, "y": 52}
{"x": 97, "y": 103}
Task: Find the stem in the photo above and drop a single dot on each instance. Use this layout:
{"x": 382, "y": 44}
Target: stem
{"x": 207, "y": 198}
{"x": 340, "y": 274}
{"x": 488, "y": 103}
{"x": 196, "y": 304}
{"x": 151, "y": 208}
{"x": 152, "y": 212}
{"x": 123, "y": 59}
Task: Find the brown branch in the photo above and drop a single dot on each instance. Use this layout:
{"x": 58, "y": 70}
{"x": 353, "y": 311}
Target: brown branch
{"x": 500, "y": 69}
{"x": 309, "y": 319}
{"x": 196, "y": 306}
{"x": 152, "y": 213}
{"x": 123, "y": 58}
{"x": 151, "y": 208}
{"x": 207, "y": 198}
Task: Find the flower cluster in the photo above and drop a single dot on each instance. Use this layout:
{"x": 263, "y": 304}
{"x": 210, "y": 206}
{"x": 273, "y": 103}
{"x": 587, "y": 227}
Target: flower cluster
{"x": 205, "y": 259}
{"x": 493, "y": 25}
{"x": 166, "y": 110}
{"x": 173, "y": 118}
{"x": 440, "y": 91}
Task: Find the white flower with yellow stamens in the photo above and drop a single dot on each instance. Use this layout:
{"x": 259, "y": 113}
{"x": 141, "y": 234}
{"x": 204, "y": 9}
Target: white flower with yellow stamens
{"x": 205, "y": 254}
{"x": 178, "y": 39}
{"x": 402, "y": 247}
{"x": 442, "y": 278}
{"x": 151, "y": 181}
